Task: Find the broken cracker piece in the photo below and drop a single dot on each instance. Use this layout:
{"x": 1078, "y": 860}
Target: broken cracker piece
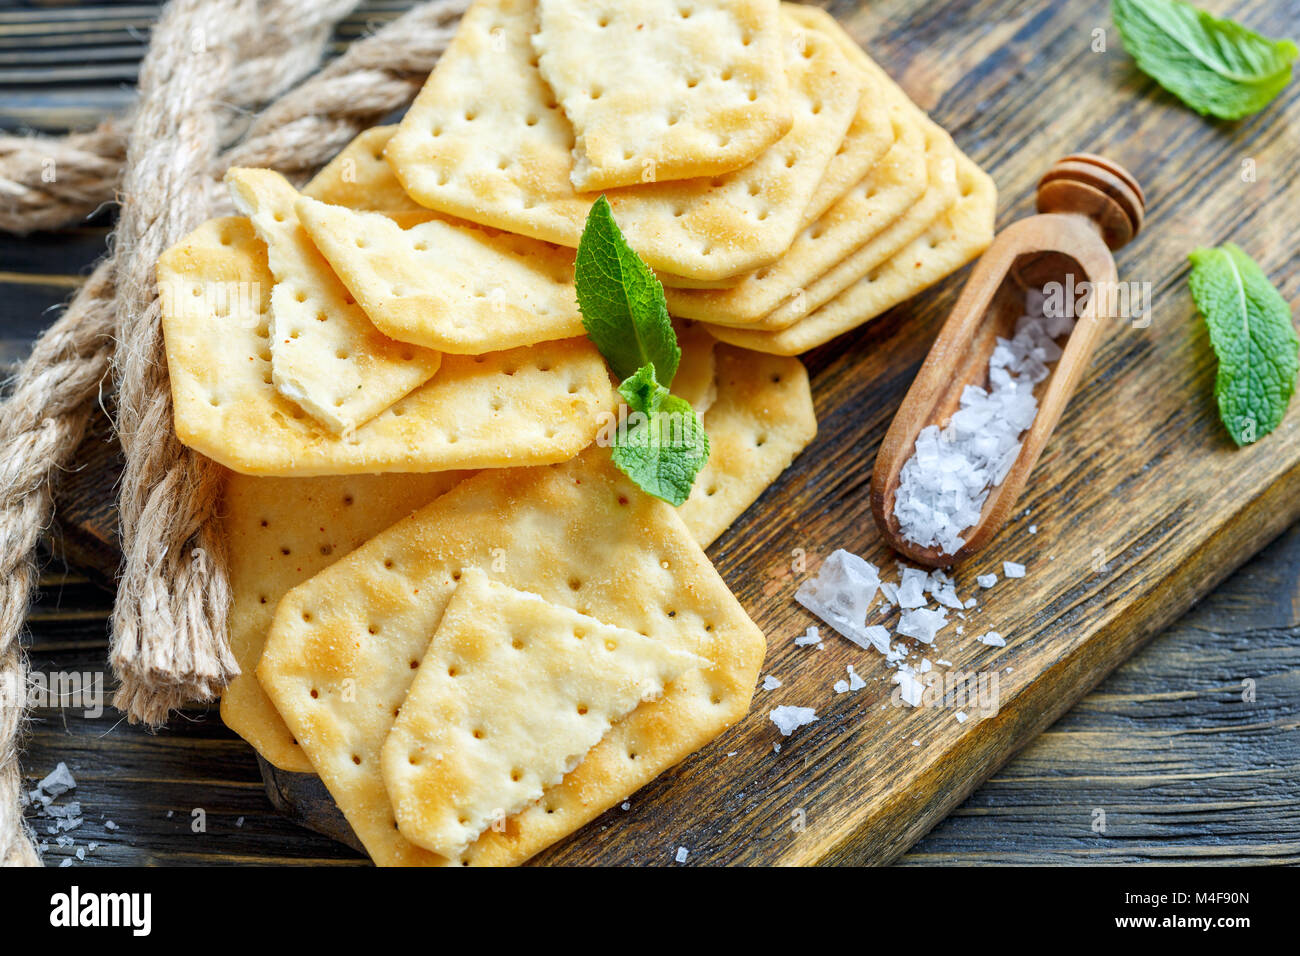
{"x": 657, "y": 90}
{"x": 510, "y": 696}
{"x": 451, "y": 287}
{"x": 325, "y": 354}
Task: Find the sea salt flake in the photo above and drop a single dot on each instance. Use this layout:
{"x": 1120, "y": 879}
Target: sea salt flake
{"x": 986, "y": 580}
{"x": 788, "y": 719}
{"x": 992, "y": 639}
{"x": 911, "y": 591}
{"x": 947, "y": 596}
{"x": 910, "y": 689}
{"x": 58, "y": 782}
{"x": 922, "y": 623}
{"x": 961, "y": 716}
{"x": 813, "y": 636}
{"x": 770, "y": 683}
{"x": 841, "y": 687}
{"x": 855, "y": 682}
{"x": 1013, "y": 570}
{"x": 842, "y": 593}
{"x": 682, "y": 853}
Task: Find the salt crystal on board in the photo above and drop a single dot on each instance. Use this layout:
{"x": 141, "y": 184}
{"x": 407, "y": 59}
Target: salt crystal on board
{"x": 770, "y": 683}
{"x": 842, "y": 594}
{"x": 922, "y": 623}
{"x": 1013, "y": 570}
{"x": 58, "y": 782}
{"x": 682, "y": 853}
{"x": 986, "y": 580}
{"x": 992, "y": 639}
{"x": 813, "y": 636}
{"x": 910, "y": 689}
{"x": 946, "y": 595}
{"x": 911, "y": 591}
{"x": 855, "y": 682}
{"x": 788, "y": 719}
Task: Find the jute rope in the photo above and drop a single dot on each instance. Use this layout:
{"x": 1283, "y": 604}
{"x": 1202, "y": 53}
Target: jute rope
{"x": 169, "y": 623}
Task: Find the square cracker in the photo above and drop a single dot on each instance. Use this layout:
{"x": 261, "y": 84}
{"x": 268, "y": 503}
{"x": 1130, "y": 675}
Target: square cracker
{"x": 762, "y": 418}
{"x": 884, "y": 195}
{"x": 325, "y": 354}
{"x": 486, "y": 141}
{"x": 870, "y": 136}
{"x": 579, "y": 535}
{"x": 452, "y": 287}
{"x": 360, "y": 178}
{"x": 520, "y": 407}
{"x": 662, "y": 89}
{"x": 954, "y": 238}
{"x": 510, "y": 696}
{"x": 280, "y": 532}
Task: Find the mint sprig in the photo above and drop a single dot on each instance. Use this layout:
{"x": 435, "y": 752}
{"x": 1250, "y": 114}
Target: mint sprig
{"x": 661, "y": 444}
{"x": 1217, "y": 67}
{"x": 664, "y": 445}
{"x": 1253, "y": 336}
{"x": 622, "y": 301}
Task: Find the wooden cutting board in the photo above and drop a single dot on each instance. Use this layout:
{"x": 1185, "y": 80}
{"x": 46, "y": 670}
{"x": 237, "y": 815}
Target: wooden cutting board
{"x": 1141, "y": 502}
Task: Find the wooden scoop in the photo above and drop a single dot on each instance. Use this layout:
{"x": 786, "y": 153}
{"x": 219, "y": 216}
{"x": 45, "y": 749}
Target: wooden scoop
{"x": 1088, "y": 207}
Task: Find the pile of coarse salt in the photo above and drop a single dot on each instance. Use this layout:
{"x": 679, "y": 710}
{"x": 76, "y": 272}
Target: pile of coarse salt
{"x": 843, "y": 594}
{"x": 60, "y": 818}
{"x": 943, "y": 486}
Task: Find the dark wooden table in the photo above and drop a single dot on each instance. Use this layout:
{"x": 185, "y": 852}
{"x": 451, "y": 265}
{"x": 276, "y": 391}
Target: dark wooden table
{"x": 1190, "y": 752}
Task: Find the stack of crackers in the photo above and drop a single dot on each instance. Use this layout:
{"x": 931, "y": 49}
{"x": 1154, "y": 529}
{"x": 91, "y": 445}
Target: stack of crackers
{"x": 447, "y": 601}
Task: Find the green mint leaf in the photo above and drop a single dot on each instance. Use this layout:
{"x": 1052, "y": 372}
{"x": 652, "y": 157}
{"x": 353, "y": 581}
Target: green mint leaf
{"x": 622, "y": 302}
{"x": 664, "y": 447}
{"x": 1251, "y": 332}
{"x": 1217, "y": 67}
{"x": 642, "y": 391}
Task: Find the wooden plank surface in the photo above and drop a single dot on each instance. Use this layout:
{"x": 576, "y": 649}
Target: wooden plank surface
{"x": 1140, "y": 477}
